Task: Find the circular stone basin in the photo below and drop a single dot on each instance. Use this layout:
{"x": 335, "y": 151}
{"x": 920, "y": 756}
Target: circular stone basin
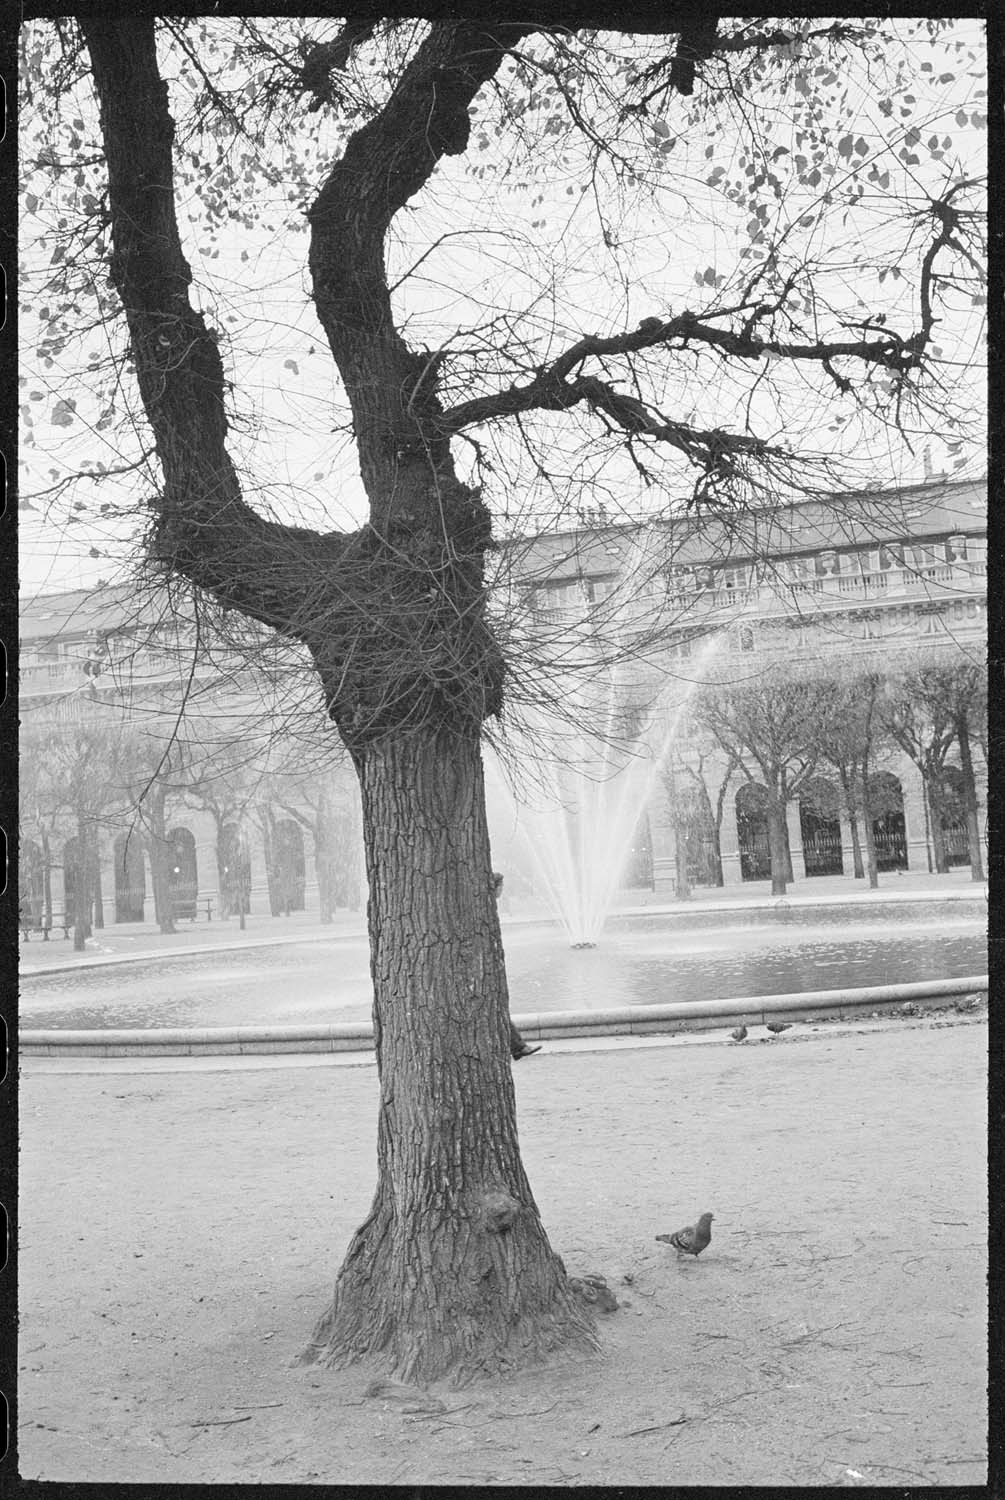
{"x": 639, "y": 960}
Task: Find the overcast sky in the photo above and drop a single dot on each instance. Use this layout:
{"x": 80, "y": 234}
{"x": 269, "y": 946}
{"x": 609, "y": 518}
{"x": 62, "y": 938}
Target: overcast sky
{"x": 554, "y": 256}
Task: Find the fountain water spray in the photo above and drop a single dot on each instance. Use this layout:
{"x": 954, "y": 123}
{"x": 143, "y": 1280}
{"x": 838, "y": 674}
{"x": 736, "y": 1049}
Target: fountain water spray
{"x": 596, "y": 765}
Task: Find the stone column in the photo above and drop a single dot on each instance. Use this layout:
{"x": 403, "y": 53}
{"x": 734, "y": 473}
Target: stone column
{"x": 915, "y": 818}
{"x": 847, "y": 847}
{"x": 795, "y": 840}
{"x": 662, "y": 838}
{"x": 729, "y": 841}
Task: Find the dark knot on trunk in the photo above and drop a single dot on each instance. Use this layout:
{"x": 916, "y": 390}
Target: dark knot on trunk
{"x": 498, "y": 1212}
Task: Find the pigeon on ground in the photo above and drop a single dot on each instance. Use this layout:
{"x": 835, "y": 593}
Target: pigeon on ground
{"x": 692, "y": 1239}
{"x": 740, "y": 1034}
{"x": 776, "y": 1026}
{"x": 525, "y": 1051}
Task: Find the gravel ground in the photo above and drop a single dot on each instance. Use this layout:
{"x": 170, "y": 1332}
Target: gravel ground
{"x": 179, "y": 1232}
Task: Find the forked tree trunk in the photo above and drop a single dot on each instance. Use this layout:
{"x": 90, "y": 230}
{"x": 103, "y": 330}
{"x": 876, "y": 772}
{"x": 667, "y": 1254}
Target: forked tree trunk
{"x": 451, "y": 1275}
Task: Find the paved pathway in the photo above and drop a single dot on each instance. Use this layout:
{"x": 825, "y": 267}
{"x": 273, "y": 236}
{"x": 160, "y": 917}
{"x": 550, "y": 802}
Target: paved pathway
{"x": 179, "y": 1234}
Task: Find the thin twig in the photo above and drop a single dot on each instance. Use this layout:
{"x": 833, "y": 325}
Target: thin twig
{"x": 638, "y": 1431}
{"x": 226, "y": 1422}
{"x": 505, "y": 1415}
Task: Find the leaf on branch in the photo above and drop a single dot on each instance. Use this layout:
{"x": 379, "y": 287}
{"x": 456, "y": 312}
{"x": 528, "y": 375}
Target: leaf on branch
{"x": 62, "y": 414}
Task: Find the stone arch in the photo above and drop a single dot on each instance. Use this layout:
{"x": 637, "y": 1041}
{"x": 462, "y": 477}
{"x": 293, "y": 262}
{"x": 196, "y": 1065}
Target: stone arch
{"x": 820, "y": 827}
{"x": 235, "y": 871}
{"x": 751, "y": 804}
{"x": 183, "y": 872}
{"x": 31, "y": 883}
{"x": 952, "y": 816}
{"x": 638, "y": 871}
{"x": 81, "y": 883}
{"x": 889, "y": 831}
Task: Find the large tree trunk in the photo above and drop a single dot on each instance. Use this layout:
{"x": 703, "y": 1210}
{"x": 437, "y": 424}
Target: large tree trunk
{"x": 970, "y": 797}
{"x": 451, "y": 1274}
{"x": 778, "y": 845}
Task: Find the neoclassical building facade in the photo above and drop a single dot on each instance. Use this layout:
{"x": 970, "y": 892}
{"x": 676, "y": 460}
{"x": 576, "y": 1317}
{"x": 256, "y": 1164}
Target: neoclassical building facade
{"x": 886, "y": 577}
{"x": 889, "y": 574}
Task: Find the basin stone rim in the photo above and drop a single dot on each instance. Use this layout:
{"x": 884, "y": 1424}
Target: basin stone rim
{"x": 358, "y": 1035}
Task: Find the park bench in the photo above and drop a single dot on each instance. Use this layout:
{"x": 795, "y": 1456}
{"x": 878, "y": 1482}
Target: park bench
{"x": 29, "y": 924}
{"x": 189, "y": 910}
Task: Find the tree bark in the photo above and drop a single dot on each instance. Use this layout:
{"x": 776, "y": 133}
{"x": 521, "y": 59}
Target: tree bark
{"x": 451, "y": 1274}
{"x": 778, "y": 845}
{"x": 969, "y": 795}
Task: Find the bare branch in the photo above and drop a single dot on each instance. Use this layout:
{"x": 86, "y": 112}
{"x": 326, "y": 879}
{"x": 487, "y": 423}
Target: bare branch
{"x": 202, "y": 525}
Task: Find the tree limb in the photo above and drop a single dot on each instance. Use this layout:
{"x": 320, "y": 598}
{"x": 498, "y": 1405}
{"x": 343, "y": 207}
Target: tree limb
{"x": 202, "y": 526}
{"x": 551, "y": 391}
